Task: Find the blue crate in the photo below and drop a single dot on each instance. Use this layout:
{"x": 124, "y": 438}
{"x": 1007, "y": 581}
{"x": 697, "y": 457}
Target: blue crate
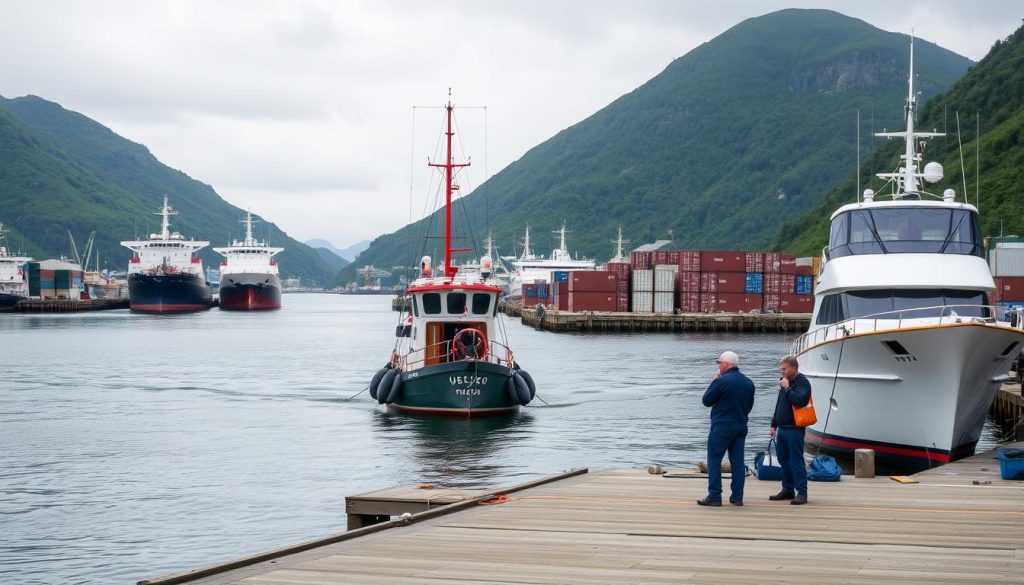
{"x": 754, "y": 283}
{"x": 1010, "y": 468}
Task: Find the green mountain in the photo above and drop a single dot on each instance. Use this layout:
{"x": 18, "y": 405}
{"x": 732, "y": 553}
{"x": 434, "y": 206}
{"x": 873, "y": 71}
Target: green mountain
{"x": 992, "y": 93}
{"x": 332, "y": 259}
{"x": 60, "y": 170}
{"x": 722, "y": 147}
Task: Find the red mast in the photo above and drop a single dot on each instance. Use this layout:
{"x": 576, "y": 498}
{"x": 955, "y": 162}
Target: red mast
{"x": 449, "y": 269}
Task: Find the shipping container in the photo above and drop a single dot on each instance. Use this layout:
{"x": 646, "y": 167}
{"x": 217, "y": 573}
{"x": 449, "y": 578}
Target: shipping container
{"x": 664, "y": 302}
{"x": 752, "y": 303}
{"x": 772, "y": 283}
{"x": 689, "y": 260}
{"x": 622, "y": 302}
{"x": 754, "y": 262}
{"x": 772, "y": 262}
{"x": 530, "y": 302}
{"x": 723, "y": 282}
{"x": 1006, "y": 260}
{"x": 713, "y": 261}
{"x": 620, "y": 269}
{"x": 642, "y": 301}
{"x": 771, "y": 301}
{"x": 787, "y": 284}
{"x": 560, "y": 295}
{"x": 754, "y": 283}
{"x": 665, "y": 278}
{"x": 723, "y": 302}
{"x": 688, "y": 282}
{"x": 643, "y": 280}
{"x": 787, "y": 264}
{"x": 689, "y": 302}
{"x": 560, "y": 276}
{"x": 592, "y": 301}
{"x": 796, "y": 303}
{"x": 592, "y": 281}
{"x": 1011, "y": 288}
{"x": 804, "y": 285}
{"x": 640, "y": 260}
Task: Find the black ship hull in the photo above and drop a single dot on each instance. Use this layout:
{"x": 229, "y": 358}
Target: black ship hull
{"x": 168, "y": 293}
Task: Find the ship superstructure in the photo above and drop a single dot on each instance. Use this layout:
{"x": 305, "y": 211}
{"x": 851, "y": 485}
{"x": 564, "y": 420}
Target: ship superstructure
{"x": 249, "y": 276}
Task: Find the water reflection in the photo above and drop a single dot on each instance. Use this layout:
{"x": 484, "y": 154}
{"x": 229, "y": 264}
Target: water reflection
{"x": 455, "y": 451}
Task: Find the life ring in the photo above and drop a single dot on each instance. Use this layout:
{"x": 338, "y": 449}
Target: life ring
{"x": 460, "y": 349}
{"x": 385, "y": 384}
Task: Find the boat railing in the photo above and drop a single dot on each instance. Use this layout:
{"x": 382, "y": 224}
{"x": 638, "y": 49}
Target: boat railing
{"x": 898, "y": 319}
{"x": 497, "y": 353}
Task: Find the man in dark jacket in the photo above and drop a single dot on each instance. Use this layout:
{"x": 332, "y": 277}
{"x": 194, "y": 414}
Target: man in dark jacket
{"x": 730, "y": 396}
{"x": 794, "y": 390}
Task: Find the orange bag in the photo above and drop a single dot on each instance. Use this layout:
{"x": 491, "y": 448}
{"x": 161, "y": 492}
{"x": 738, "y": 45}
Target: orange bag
{"x": 805, "y": 416}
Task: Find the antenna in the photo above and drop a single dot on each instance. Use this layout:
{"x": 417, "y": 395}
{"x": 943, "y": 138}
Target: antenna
{"x": 977, "y": 161}
{"x": 858, "y": 155}
{"x": 959, "y": 142}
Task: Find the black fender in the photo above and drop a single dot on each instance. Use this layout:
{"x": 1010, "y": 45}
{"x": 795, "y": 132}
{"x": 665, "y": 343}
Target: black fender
{"x": 522, "y": 390}
{"x": 529, "y": 382}
{"x": 376, "y": 380}
{"x": 385, "y": 384}
{"x": 510, "y": 389}
{"x": 395, "y": 390}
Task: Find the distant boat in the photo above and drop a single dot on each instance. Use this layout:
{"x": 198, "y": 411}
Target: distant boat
{"x": 529, "y": 269}
{"x": 164, "y": 275}
{"x": 447, "y": 357}
{"x": 13, "y": 277}
{"x": 249, "y": 277}
{"x": 904, "y": 351}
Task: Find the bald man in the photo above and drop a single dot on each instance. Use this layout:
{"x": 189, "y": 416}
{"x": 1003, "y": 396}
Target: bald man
{"x": 730, "y": 397}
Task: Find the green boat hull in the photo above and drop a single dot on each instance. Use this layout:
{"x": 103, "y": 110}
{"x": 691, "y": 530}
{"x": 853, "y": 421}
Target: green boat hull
{"x": 466, "y": 388}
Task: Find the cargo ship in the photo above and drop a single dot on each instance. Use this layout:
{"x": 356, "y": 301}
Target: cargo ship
{"x": 531, "y": 269}
{"x": 447, "y": 358}
{"x": 249, "y": 279}
{"x": 164, "y": 275}
{"x": 13, "y": 280}
{"x": 905, "y": 350}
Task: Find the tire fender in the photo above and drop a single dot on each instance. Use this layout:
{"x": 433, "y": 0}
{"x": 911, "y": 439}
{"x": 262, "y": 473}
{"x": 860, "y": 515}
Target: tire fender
{"x": 522, "y": 389}
{"x": 395, "y": 389}
{"x": 384, "y": 387}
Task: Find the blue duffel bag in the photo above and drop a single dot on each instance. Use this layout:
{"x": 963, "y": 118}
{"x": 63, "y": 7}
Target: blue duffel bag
{"x": 823, "y": 468}
{"x": 766, "y": 464}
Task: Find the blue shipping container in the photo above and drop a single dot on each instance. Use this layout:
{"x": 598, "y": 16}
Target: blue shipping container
{"x": 542, "y": 291}
{"x": 804, "y": 285}
{"x": 560, "y": 276}
{"x": 755, "y": 283}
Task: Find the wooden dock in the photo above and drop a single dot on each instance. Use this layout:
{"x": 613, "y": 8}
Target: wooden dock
{"x": 959, "y": 523}
{"x": 1008, "y": 410}
{"x": 561, "y": 321}
{"x": 69, "y": 305}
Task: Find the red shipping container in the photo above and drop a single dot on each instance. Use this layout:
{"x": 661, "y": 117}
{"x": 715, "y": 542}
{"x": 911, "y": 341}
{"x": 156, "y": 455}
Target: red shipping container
{"x": 708, "y": 302}
{"x": 592, "y": 281}
{"x": 622, "y": 302}
{"x": 787, "y": 264}
{"x": 688, "y": 281}
{"x": 673, "y": 258}
{"x": 722, "y": 302}
{"x": 620, "y": 269}
{"x": 772, "y": 262}
{"x": 796, "y": 303}
{"x": 560, "y": 295}
{"x": 805, "y": 270}
{"x": 529, "y": 302}
{"x": 689, "y": 261}
{"x": 592, "y": 301}
{"x": 752, "y": 303}
{"x": 723, "y": 282}
{"x": 754, "y": 262}
{"x": 723, "y": 261}
{"x": 689, "y": 302}
{"x": 1010, "y": 288}
{"x": 773, "y": 283}
{"x": 995, "y": 298}
{"x": 640, "y": 260}
{"x": 771, "y": 301}
{"x": 787, "y": 284}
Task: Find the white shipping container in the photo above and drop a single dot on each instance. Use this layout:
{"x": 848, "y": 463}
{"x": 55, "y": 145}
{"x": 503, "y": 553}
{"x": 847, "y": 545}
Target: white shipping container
{"x": 1004, "y": 261}
{"x": 670, "y": 267}
{"x": 664, "y": 302}
{"x": 664, "y": 280}
{"x": 643, "y": 302}
{"x": 643, "y": 280}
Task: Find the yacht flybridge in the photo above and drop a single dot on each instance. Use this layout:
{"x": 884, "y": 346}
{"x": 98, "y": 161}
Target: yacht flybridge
{"x": 904, "y": 352}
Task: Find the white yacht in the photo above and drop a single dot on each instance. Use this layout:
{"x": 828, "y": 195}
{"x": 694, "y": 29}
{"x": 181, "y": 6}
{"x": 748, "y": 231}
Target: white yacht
{"x": 528, "y": 268}
{"x": 904, "y": 353}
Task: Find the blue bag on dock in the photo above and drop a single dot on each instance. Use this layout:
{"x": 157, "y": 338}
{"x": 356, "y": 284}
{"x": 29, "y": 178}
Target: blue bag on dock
{"x": 823, "y": 468}
{"x": 1011, "y": 463}
{"x": 766, "y": 464}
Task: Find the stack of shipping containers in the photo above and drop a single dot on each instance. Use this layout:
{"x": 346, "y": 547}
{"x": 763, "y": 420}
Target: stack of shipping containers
{"x": 593, "y": 290}
{"x": 665, "y": 288}
{"x": 1006, "y": 260}
{"x": 622, "y": 271}
{"x": 55, "y": 279}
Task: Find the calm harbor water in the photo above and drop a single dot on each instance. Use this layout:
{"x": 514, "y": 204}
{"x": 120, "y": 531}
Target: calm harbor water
{"x": 132, "y": 446}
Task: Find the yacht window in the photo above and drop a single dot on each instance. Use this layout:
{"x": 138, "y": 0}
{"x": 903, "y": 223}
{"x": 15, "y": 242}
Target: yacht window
{"x": 481, "y": 302}
{"x": 456, "y": 303}
{"x": 905, "y": 230}
{"x": 415, "y": 307}
{"x": 432, "y": 303}
{"x": 902, "y": 303}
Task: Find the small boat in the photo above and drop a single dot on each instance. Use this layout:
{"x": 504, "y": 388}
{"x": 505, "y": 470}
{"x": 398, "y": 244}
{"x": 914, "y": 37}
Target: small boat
{"x": 13, "y": 275}
{"x": 248, "y": 276}
{"x": 904, "y": 351}
{"x": 164, "y": 274}
{"x": 447, "y": 357}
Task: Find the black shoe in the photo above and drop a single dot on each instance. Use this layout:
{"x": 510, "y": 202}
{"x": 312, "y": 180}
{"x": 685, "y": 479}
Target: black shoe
{"x": 799, "y": 500}
{"x": 707, "y": 502}
{"x": 736, "y": 502}
{"x": 783, "y": 495}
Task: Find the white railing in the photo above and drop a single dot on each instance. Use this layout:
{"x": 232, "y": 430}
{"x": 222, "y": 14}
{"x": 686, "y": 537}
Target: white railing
{"x": 898, "y": 319}
{"x": 497, "y": 353}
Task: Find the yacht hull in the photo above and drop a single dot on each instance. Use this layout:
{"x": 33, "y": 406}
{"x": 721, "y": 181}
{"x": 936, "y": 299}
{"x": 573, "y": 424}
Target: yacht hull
{"x": 168, "y": 293}
{"x": 465, "y": 388}
{"x": 250, "y": 292}
{"x": 917, "y": 396}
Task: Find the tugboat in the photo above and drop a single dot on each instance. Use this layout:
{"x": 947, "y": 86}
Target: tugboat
{"x": 13, "y": 280}
{"x": 249, "y": 278}
{"x": 164, "y": 275}
{"x": 904, "y": 351}
{"x": 447, "y": 358}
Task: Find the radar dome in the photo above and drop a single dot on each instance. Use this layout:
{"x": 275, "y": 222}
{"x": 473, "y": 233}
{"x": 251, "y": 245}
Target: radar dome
{"x": 948, "y": 195}
{"x": 933, "y": 172}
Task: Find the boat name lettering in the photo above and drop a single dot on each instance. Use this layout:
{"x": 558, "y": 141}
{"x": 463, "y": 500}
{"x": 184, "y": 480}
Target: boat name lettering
{"x": 467, "y": 392}
{"x": 467, "y": 380}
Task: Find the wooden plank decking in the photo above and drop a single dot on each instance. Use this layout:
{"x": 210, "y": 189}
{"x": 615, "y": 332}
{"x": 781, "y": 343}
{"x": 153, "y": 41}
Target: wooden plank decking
{"x": 960, "y": 523}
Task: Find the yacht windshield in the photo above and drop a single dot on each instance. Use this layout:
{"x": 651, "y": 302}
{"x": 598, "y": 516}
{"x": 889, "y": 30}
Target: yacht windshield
{"x": 902, "y": 304}
{"x": 905, "y": 230}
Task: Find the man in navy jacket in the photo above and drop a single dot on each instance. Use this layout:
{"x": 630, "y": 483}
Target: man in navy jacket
{"x": 730, "y": 397}
{"x": 794, "y": 390}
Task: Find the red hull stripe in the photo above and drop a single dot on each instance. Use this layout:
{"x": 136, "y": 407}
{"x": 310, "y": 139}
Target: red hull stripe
{"x": 161, "y": 308}
{"x": 461, "y": 412}
{"x": 890, "y": 449}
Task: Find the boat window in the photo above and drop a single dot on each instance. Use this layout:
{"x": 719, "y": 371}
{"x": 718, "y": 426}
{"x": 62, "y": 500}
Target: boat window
{"x": 481, "y": 302}
{"x": 905, "y": 230}
{"x": 456, "y": 303}
{"x": 432, "y": 303}
{"x": 415, "y": 307}
{"x": 902, "y": 303}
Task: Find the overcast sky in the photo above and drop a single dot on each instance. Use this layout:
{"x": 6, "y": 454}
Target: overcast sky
{"x": 303, "y": 110}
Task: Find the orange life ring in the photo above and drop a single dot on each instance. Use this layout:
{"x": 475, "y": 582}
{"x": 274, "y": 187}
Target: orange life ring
{"x": 457, "y": 343}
